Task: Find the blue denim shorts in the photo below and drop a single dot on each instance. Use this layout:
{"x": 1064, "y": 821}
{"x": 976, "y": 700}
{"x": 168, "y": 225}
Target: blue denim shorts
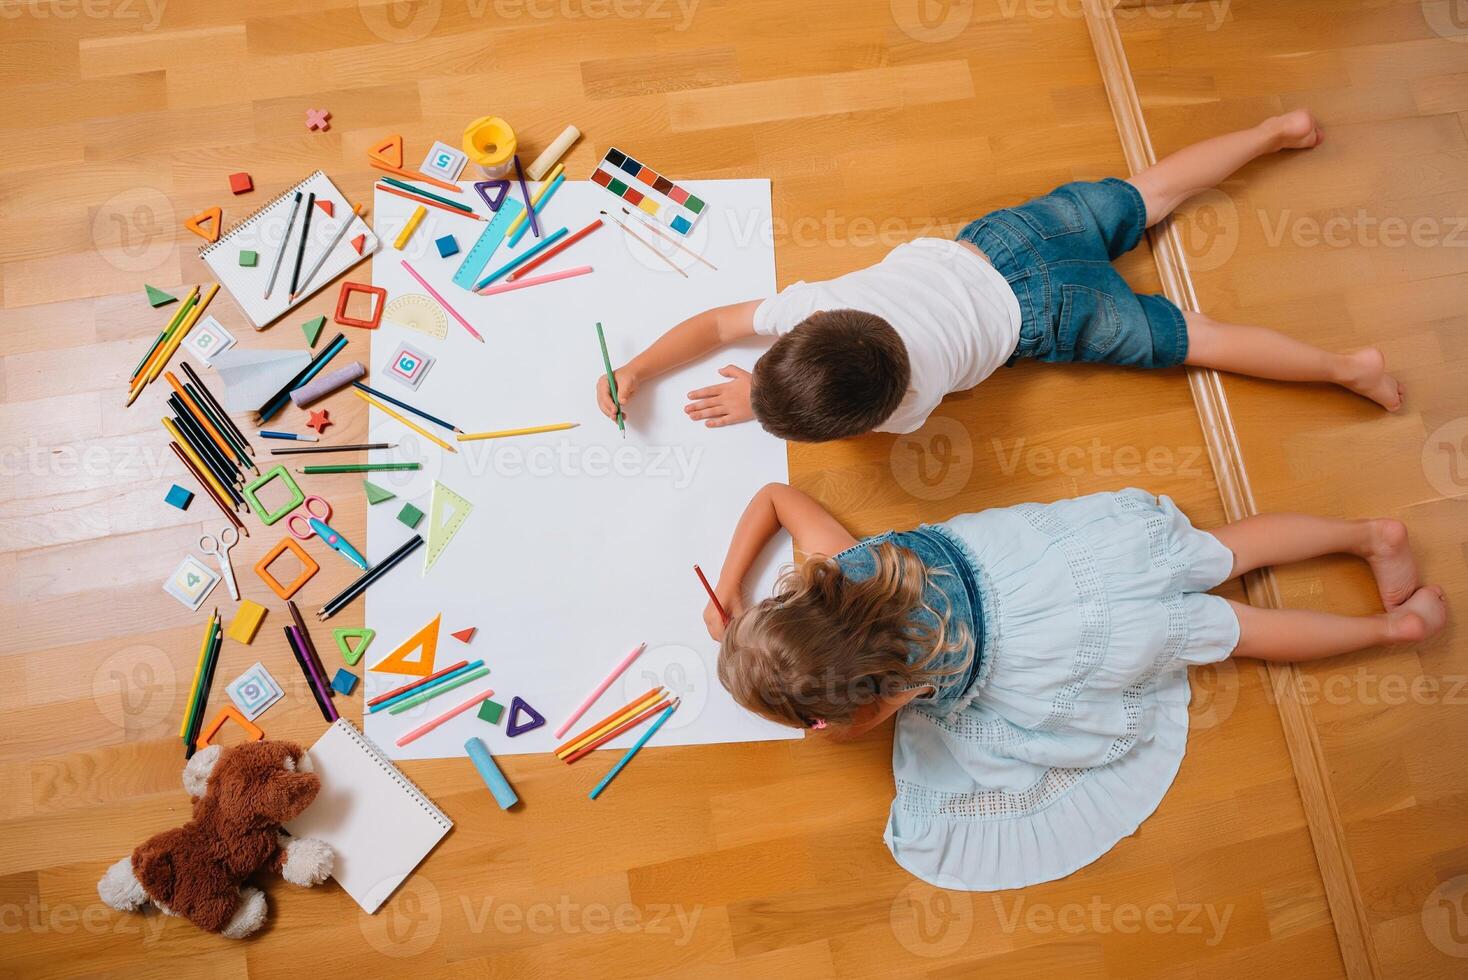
{"x": 1056, "y": 252}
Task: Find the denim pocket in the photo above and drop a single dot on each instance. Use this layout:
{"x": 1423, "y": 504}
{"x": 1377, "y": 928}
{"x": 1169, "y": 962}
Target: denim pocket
{"x": 1089, "y": 324}
{"x": 1052, "y": 216}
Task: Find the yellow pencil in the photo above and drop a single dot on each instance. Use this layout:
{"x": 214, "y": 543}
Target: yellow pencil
{"x": 503, "y": 433}
{"x": 180, "y": 334}
{"x": 183, "y": 723}
{"x": 199, "y": 464}
{"x": 173, "y": 323}
{"x": 625, "y": 714}
{"x": 550, "y": 178}
{"x": 409, "y": 228}
{"x": 403, "y": 419}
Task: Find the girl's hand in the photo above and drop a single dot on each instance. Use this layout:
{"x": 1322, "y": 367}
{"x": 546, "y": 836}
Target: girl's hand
{"x": 733, "y": 604}
{"x": 626, "y": 388}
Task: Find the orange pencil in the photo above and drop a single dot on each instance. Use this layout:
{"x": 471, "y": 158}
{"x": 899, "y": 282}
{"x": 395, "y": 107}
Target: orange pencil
{"x": 204, "y": 422}
{"x": 595, "y": 744}
{"x": 553, "y": 251}
{"x": 428, "y": 201}
{"x": 415, "y": 175}
{"x": 609, "y": 722}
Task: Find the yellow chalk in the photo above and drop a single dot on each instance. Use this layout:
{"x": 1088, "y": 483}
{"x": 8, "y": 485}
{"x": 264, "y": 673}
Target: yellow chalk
{"x": 409, "y": 228}
{"x": 246, "y": 621}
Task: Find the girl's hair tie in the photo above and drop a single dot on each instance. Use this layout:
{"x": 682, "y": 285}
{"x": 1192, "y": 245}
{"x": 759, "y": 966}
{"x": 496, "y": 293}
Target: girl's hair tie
{"x": 818, "y": 723}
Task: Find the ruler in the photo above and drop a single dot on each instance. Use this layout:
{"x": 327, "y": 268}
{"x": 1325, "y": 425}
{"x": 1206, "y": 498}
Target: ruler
{"x": 489, "y": 240}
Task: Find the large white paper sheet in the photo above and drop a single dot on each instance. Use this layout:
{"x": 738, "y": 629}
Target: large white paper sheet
{"x": 581, "y": 543}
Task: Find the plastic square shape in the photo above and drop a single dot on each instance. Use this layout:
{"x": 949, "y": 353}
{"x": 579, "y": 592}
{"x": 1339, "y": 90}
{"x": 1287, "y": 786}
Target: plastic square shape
{"x": 308, "y": 567}
{"x": 275, "y": 472}
{"x": 379, "y": 300}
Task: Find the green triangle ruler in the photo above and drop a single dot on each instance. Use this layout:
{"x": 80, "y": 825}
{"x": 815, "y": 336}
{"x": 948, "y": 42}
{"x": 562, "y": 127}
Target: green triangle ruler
{"x": 342, "y": 636}
{"x": 446, "y": 514}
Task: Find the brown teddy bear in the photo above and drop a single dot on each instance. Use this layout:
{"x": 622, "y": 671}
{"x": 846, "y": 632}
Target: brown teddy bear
{"x": 242, "y": 795}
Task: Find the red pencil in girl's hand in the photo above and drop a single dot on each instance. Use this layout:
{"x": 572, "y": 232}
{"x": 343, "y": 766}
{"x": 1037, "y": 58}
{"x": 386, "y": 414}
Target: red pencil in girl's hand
{"x": 723, "y": 614}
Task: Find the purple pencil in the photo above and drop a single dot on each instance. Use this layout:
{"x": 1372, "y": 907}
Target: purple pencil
{"x": 298, "y": 648}
{"x": 525, "y": 193}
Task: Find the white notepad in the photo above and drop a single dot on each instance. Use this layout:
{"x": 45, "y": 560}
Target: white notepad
{"x": 379, "y": 824}
{"x": 263, "y": 232}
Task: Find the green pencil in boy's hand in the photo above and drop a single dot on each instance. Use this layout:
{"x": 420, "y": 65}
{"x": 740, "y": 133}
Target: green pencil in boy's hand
{"x": 611, "y": 379}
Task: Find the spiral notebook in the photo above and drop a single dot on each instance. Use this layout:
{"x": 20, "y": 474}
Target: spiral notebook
{"x": 272, "y": 231}
{"x": 377, "y": 822}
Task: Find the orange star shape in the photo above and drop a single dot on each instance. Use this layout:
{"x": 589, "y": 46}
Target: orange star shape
{"x": 319, "y": 420}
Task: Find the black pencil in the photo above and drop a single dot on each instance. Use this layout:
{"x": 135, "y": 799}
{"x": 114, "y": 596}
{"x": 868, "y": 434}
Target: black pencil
{"x": 305, "y": 233}
{"x": 209, "y": 397}
{"x": 300, "y": 656}
{"x": 343, "y": 598}
{"x": 333, "y": 449}
{"x": 223, "y": 468}
{"x": 280, "y": 398}
{"x": 225, "y": 432}
{"x": 406, "y": 407}
{"x": 211, "y": 660}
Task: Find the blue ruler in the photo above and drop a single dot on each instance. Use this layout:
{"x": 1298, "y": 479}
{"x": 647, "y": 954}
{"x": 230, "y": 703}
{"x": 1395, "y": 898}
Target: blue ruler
{"x": 489, "y": 240}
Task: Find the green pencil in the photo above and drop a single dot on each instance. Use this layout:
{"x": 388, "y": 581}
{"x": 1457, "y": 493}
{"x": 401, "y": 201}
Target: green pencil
{"x": 359, "y": 467}
{"x": 606, "y": 359}
{"x": 166, "y": 332}
{"x": 434, "y": 692}
{"x": 400, "y": 185}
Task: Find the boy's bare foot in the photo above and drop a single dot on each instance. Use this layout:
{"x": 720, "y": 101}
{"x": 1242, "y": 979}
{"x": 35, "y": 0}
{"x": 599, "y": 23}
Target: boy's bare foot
{"x": 1392, "y": 562}
{"x": 1419, "y": 618}
{"x": 1366, "y": 375}
{"x": 1298, "y": 130}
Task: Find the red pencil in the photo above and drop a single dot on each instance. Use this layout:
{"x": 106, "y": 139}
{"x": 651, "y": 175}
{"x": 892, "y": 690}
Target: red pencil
{"x": 712, "y": 598}
{"x": 418, "y": 683}
{"x": 591, "y": 746}
{"x": 548, "y": 253}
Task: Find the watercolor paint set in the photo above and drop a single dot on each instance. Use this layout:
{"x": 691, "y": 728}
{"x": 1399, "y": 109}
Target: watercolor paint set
{"x": 649, "y": 191}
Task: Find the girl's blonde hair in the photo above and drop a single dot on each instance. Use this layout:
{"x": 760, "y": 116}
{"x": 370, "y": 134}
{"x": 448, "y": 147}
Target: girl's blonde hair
{"x": 824, "y": 644}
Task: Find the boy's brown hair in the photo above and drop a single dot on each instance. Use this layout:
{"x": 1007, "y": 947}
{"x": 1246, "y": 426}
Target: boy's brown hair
{"x": 839, "y": 373}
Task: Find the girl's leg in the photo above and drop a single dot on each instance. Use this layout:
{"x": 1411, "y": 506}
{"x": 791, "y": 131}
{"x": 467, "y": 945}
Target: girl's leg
{"x": 1279, "y": 539}
{"x": 1263, "y": 353}
{"x": 1299, "y": 634}
{"x": 1193, "y": 169}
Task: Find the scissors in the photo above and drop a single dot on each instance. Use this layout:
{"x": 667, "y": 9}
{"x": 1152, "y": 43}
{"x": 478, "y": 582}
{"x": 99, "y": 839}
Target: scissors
{"x": 219, "y": 548}
{"x": 314, "y": 524}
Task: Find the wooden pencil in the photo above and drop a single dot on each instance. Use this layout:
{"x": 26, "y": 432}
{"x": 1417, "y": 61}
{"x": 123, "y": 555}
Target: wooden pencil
{"x": 551, "y": 253}
{"x": 418, "y": 683}
{"x": 209, "y": 397}
{"x": 636, "y": 747}
{"x": 160, "y": 360}
{"x": 284, "y": 242}
{"x": 205, "y": 423}
{"x": 621, "y": 729}
{"x": 183, "y": 723}
{"x": 403, "y": 419}
{"x": 609, "y": 722}
{"x": 360, "y": 468}
{"x": 220, "y": 424}
{"x": 208, "y": 489}
{"x": 344, "y": 598}
{"x": 201, "y": 698}
{"x": 341, "y": 233}
{"x": 428, "y": 202}
{"x": 428, "y": 694}
{"x": 199, "y": 466}
{"x": 724, "y": 615}
{"x": 298, "y": 650}
{"x": 405, "y": 406}
{"x": 413, "y": 175}
{"x": 305, "y": 235}
{"x": 168, "y": 328}
{"x": 282, "y": 397}
{"x": 427, "y": 196}
{"x": 506, "y": 433}
{"x": 448, "y": 715}
{"x": 355, "y": 447}
{"x": 228, "y": 474}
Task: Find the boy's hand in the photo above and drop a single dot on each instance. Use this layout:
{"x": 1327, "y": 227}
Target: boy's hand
{"x": 626, "y": 388}
{"x": 725, "y": 404}
{"x": 733, "y": 604}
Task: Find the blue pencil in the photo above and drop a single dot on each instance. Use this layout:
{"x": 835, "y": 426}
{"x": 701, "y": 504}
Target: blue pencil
{"x": 509, "y": 266}
{"x": 294, "y": 436}
{"x": 406, "y": 407}
{"x": 425, "y": 687}
{"x": 658, "y": 723}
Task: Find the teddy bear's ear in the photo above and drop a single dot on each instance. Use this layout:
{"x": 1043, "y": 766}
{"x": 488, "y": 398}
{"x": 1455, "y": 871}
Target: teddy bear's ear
{"x": 196, "y": 773}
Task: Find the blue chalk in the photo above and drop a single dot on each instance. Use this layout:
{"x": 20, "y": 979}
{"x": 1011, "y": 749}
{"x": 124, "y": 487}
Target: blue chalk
{"x": 179, "y": 497}
{"x": 504, "y": 794}
{"x": 345, "y": 682}
{"x": 447, "y": 246}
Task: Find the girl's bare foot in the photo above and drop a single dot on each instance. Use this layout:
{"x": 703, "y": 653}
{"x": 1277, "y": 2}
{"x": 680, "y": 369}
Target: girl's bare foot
{"x": 1366, "y": 375}
{"x": 1392, "y": 562}
{"x": 1419, "y": 618}
{"x": 1297, "y": 130}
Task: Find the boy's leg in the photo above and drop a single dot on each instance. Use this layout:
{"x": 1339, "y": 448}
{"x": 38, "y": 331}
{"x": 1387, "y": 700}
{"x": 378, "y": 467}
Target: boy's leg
{"x": 1278, "y": 539}
{"x": 1193, "y": 169}
{"x": 1291, "y": 635}
{"x": 1263, "y": 353}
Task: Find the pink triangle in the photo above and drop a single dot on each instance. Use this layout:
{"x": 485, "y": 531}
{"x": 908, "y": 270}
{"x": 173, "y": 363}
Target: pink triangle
{"x": 464, "y": 636}
{"x": 359, "y": 242}
{"x": 326, "y": 206}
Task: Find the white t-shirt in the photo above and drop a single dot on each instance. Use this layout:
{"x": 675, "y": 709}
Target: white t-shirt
{"x": 955, "y": 313}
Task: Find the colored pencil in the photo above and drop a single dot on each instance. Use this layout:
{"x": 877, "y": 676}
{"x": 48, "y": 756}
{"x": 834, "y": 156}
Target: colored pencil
{"x": 209, "y": 397}
{"x": 413, "y": 175}
{"x": 453, "y": 712}
{"x": 205, "y": 424}
{"x": 670, "y": 240}
{"x": 344, "y": 598}
{"x": 609, "y": 722}
{"x": 403, "y": 419}
{"x": 620, "y": 730}
{"x": 606, "y": 360}
{"x": 166, "y": 349}
{"x": 284, "y": 240}
{"x": 309, "y": 646}
{"x": 168, "y": 328}
{"x": 293, "y": 436}
{"x": 208, "y": 489}
{"x": 601, "y": 688}
{"x": 409, "y": 226}
{"x": 436, "y": 690}
{"x": 427, "y": 195}
{"x": 199, "y": 466}
{"x": 360, "y": 468}
{"x": 404, "y": 406}
{"x": 435, "y": 685}
{"x": 227, "y": 473}
{"x": 428, "y": 202}
{"x": 553, "y": 182}
{"x": 359, "y": 447}
{"x": 201, "y": 695}
{"x": 389, "y": 695}
{"x": 442, "y": 302}
{"x": 724, "y": 615}
{"x": 220, "y": 423}
{"x": 298, "y": 650}
{"x": 636, "y": 747}
{"x": 520, "y": 259}
{"x": 525, "y": 195}
{"x": 305, "y": 235}
{"x": 505, "y": 433}
{"x": 646, "y": 244}
{"x": 508, "y": 287}
{"x": 282, "y": 397}
{"x": 183, "y": 723}
{"x": 552, "y": 253}
{"x": 330, "y": 247}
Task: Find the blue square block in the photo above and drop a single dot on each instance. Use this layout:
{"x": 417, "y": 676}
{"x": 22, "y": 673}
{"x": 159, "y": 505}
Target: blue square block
{"x": 179, "y": 497}
{"x": 345, "y": 682}
{"x": 447, "y": 246}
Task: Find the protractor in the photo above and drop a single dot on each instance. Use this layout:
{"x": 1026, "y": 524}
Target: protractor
{"x": 417, "y": 312}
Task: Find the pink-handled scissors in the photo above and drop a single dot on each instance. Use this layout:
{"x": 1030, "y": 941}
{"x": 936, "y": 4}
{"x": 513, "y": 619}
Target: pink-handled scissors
{"x": 314, "y": 524}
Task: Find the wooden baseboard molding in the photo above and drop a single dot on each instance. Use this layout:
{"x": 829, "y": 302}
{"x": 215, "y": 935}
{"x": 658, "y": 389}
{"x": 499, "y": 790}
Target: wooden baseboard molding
{"x": 1358, "y": 954}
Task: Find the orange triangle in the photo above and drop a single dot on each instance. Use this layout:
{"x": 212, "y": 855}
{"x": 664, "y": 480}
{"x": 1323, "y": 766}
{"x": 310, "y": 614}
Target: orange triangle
{"x": 326, "y": 206}
{"x": 197, "y": 223}
{"x": 359, "y": 242}
{"x": 425, "y": 640}
{"x": 389, "y": 151}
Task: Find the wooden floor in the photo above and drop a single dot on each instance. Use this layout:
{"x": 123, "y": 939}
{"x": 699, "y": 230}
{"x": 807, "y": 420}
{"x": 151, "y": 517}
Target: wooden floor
{"x": 877, "y": 123}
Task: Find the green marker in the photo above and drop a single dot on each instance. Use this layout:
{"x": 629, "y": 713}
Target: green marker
{"x": 611, "y": 379}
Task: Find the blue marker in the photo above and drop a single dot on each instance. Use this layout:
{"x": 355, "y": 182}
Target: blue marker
{"x": 293, "y": 436}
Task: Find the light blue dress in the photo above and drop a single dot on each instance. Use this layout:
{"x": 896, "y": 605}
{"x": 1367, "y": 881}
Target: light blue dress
{"x": 1066, "y": 722}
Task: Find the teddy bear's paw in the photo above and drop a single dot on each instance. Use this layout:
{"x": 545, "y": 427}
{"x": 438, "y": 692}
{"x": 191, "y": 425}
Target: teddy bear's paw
{"x": 248, "y": 916}
{"x": 120, "y": 888}
{"x": 307, "y": 861}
